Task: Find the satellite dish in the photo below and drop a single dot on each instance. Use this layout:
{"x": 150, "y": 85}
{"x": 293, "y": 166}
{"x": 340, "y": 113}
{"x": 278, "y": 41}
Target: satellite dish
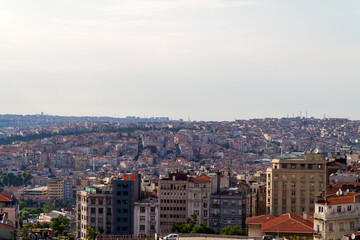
{"x": 353, "y": 236}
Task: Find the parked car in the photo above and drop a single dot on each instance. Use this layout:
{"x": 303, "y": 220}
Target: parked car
{"x": 267, "y": 237}
{"x": 171, "y": 237}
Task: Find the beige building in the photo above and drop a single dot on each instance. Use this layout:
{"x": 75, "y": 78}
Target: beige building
{"x": 337, "y": 215}
{"x": 94, "y": 209}
{"x": 60, "y": 189}
{"x": 173, "y": 200}
{"x": 199, "y": 192}
{"x": 294, "y": 182}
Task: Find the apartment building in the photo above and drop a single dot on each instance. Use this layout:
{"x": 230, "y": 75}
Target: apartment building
{"x": 126, "y": 191}
{"x": 146, "y": 213}
{"x": 60, "y": 189}
{"x": 94, "y": 209}
{"x": 228, "y": 208}
{"x": 198, "y": 203}
{"x": 337, "y": 215}
{"x": 294, "y": 182}
{"x": 173, "y": 197}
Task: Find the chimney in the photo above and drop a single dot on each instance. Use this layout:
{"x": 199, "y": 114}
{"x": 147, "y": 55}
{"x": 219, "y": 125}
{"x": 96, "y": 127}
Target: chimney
{"x": 304, "y": 216}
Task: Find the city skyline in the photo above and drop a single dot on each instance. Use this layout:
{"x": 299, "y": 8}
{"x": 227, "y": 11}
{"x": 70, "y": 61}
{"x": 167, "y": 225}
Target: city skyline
{"x": 207, "y": 60}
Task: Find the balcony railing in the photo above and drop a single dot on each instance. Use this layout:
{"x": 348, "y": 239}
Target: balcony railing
{"x": 337, "y": 215}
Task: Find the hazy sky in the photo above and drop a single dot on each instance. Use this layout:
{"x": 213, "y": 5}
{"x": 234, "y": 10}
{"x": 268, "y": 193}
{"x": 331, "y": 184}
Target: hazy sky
{"x": 207, "y": 59}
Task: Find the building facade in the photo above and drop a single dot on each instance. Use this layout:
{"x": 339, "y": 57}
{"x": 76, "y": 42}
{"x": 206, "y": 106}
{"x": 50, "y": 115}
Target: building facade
{"x": 126, "y": 191}
{"x": 294, "y": 182}
{"x": 228, "y": 208}
{"x": 173, "y": 199}
{"x": 146, "y": 213}
{"x": 337, "y": 215}
{"x": 94, "y": 209}
{"x": 199, "y": 192}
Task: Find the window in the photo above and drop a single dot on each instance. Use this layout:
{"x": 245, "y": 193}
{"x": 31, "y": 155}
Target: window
{"x": 142, "y": 218}
{"x": 349, "y": 208}
{"x": 92, "y": 210}
{"x": 302, "y": 166}
{"x": 321, "y": 209}
{"x": 276, "y": 176}
{"x": 310, "y": 166}
{"x": 152, "y": 209}
{"x": 320, "y": 166}
{"x": 284, "y": 193}
{"x": 352, "y": 225}
{"x": 293, "y": 184}
{"x": 293, "y": 201}
{"x": 205, "y": 213}
{"x": 284, "y": 177}
{"x": 293, "y": 176}
{"x": 101, "y": 210}
{"x": 225, "y": 202}
{"x": 284, "y": 165}
{"x": 284, "y": 185}
{"x": 233, "y": 202}
{"x": 93, "y": 201}
{"x": 293, "y": 166}
{"x": 339, "y": 209}
{"x": 275, "y": 201}
{"x": 152, "y": 227}
{"x": 312, "y": 185}
{"x": 142, "y": 209}
{"x": 342, "y": 226}
{"x": 302, "y": 176}
{"x": 233, "y": 211}
{"x": 331, "y": 227}
{"x": 100, "y": 202}
{"x": 293, "y": 193}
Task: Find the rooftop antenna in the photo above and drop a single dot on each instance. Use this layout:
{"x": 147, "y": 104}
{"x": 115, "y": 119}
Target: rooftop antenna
{"x": 306, "y": 113}
{"x": 300, "y": 113}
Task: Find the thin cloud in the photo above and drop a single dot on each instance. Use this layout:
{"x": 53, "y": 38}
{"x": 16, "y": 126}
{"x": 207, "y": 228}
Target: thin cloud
{"x": 158, "y": 7}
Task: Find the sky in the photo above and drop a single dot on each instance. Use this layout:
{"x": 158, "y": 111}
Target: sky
{"x": 198, "y": 59}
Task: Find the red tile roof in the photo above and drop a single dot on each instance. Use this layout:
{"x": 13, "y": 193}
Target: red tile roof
{"x": 5, "y": 198}
{"x": 285, "y": 223}
{"x": 201, "y": 179}
{"x": 335, "y": 200}
{"x": 259, "y": 219}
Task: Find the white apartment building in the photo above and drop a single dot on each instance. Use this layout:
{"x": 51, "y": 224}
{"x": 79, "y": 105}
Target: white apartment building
{"x": 337, "y": 215}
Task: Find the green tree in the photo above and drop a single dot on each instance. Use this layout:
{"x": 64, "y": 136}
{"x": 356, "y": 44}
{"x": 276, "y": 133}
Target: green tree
{"x": 235, "y": 230}
{"x": 202, "y": 228}
{"x": 24, "y": 231}
{"x": 48, "y": 207}
{"x": 91, "y": 234}
{"x": 59, "y": 225}
{"x": 186, "y": 227}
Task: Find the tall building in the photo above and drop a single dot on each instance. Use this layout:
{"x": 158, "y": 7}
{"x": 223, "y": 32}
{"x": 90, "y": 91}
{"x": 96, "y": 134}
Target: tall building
{"x": 126, "y": 192}
{"x": 228, "y": 208}
{"x": 294, "y": 182}
{"x": 94, "y": 209}
{"x": 173, "y": 200}
{"x": 60, "y": 189}
{"x": 199, "y": 192}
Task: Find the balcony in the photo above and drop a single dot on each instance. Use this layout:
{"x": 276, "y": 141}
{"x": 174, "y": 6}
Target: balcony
{"x": 337, "y": 215}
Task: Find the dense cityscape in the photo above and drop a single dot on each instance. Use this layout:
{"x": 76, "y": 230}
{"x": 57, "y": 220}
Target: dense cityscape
{"x": 146, "y": 178}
